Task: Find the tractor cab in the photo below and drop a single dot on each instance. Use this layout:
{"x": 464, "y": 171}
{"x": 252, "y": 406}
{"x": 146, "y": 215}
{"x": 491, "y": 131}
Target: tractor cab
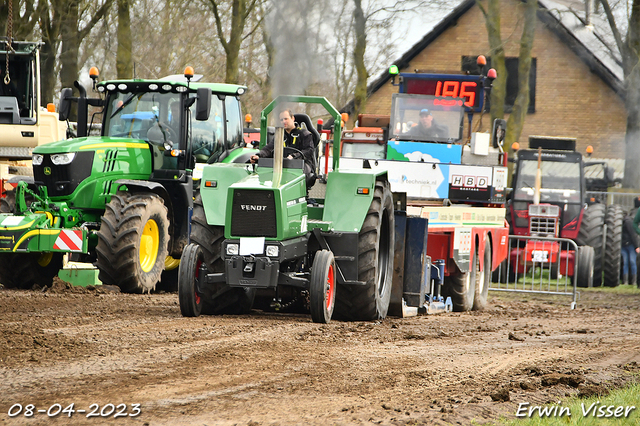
{"x": 561, "y": 185}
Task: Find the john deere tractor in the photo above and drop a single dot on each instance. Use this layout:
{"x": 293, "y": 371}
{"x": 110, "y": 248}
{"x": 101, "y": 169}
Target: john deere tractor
{"x": 121, "y": 200}
{"x": 255, "y": 233}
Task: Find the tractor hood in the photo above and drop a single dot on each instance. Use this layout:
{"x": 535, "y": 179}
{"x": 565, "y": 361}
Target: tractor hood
{"x": 90, "y": 143}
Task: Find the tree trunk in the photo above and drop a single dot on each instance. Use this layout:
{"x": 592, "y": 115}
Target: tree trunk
{"x": 70, "y": 48}
{"x": 521, "y": 105}
{"x": 360, "y": 93}
{"x": 124, "y": 56}
{"x": 499, "y": 89}
{"x": 50, "y": 27}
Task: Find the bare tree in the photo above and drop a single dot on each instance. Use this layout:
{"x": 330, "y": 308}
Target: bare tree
{"x": 629, "y": 50}
{"x": 240, "y": 11}
{"x": 124, "y": 58}
{"x": 516, "y": 119}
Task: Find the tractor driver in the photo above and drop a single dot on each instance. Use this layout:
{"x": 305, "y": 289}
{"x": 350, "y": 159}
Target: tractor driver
{"x": 294, "y": 137}
{"x": 427, "y": 128}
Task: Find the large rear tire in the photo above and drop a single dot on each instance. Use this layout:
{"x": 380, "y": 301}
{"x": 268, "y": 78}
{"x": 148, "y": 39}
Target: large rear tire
{"x": 322, "y": 291}
{"x": 483, "y": 278}
{"x": 613, "y": 245}
{"x": 217, "y": 298}
{"x": 590, "y": 234}
{"x": 133, "y": 242}
{"x": 375, "y": 263}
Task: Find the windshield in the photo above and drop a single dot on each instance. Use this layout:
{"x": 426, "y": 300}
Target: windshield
{"x": 131, "y": 115}
{"x": 560, "y": 181}
{"x": 426, "y": 118}
{"x": 364, "y": 150}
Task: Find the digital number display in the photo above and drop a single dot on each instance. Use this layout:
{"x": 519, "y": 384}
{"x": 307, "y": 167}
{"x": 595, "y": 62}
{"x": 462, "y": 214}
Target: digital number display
{"x": 468, "y": 87}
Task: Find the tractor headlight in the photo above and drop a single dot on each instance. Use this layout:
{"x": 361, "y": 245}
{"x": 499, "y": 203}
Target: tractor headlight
{"x": 273, "y": 251}
{"x": 62, "y": 159}
{"x": 232, "y": 249}
{"x": 36, "y": 159}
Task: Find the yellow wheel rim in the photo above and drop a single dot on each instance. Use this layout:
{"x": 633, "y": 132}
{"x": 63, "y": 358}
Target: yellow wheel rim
{"x": 149, "y": 244}
{"x": 45, "y": 259}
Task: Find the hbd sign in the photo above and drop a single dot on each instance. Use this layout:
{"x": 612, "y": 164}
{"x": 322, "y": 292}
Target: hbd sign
{"x": 470, "y": 181}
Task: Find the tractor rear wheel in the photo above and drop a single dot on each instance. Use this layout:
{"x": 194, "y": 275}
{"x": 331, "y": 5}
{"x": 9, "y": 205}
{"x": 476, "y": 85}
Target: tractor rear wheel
{"x": 188, "y": 271}
{"x": 590, "y": 234}
{"x": 613, "y": 245}
{"x": 217, "y": 298}
{"x": 483, "y": 278}
{"x": 375, "y": 263}
{"x": 133, "y": 242}
{"x": 322, "y": 291}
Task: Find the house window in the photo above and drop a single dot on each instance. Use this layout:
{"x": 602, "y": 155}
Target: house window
{"x": 469, "y": 65}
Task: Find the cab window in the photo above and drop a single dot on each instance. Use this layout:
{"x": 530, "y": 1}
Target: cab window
{"x": 234, "y": 122}
{"x": 207, "y": 137}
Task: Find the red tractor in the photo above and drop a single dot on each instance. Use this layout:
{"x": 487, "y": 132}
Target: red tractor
{"x": 549, "y": 201}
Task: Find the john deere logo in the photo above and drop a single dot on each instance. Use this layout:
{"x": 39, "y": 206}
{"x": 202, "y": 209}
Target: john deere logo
{"x": 47, "y": 171}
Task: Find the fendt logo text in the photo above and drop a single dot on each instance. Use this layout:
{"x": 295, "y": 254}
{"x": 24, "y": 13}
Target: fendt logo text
{"x": 250, "y": 207}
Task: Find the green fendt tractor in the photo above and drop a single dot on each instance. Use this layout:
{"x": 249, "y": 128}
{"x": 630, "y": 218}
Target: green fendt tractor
{"x": 255, "y": 232}
{"x": 122, "y": 200}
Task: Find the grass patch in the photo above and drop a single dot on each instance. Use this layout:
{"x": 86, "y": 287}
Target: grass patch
{"x": 600, "y": 410}
{"x": 621, "y": 289}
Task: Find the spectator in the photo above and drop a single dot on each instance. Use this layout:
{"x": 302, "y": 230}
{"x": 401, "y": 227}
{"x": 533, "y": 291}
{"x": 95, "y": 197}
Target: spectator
{"x": 629, "y": 251}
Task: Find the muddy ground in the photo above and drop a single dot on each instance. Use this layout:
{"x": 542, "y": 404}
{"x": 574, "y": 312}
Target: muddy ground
{"x": 94, "y": 346}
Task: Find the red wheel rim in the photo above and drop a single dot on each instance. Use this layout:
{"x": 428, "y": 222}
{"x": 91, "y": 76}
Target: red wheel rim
{"x": 195, "y": 276}
{"x": 331, "y": 287}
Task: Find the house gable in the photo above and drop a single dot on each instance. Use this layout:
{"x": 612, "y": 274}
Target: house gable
{"x": 575, "y": 93}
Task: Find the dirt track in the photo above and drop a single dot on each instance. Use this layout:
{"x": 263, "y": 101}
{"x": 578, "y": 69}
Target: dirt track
{"x": 90, "y": 346}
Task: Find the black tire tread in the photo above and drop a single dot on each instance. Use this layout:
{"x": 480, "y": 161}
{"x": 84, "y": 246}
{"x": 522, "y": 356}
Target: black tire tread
{"x": 590, "y": 234}
{"x": 362, "y": 302}
{"x": 613, "y": 245}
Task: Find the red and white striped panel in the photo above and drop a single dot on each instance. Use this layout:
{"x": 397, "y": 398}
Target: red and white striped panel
{"x": 69, "y": 241}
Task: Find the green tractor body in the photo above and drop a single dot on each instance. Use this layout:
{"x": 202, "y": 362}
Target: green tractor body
{"x": 268, "y": 240}
{"x": 121, "y": 200}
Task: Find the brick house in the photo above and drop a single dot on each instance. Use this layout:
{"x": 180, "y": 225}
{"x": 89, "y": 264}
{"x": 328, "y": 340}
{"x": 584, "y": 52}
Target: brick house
{"x": 577, "y": 81}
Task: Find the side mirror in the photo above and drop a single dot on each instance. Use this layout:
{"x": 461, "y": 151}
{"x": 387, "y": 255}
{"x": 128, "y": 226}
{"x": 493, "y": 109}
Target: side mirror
{"x": 498, "y": 132}
{"x": 64, "y": 109}
{"x": 203, "y": 106}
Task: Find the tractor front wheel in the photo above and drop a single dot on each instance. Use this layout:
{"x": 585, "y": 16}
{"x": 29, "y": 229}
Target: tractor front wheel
{"x": 217, "y": 298}
{"x": 613, "y": 246}
{"x": 133, "y": 242}
{"x": 322, "y": 291}
{"x": 188, "y": 274}
{"x": 584, "y": 273}
{"x": 590, "y": 234}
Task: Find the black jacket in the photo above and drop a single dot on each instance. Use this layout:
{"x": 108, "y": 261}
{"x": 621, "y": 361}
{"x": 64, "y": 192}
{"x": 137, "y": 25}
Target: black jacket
{"x": 300, "y": 139}
{"x": 629, "y": 235}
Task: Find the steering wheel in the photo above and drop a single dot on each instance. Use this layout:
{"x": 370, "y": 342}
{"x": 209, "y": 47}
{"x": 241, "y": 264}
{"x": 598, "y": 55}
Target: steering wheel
{"x": 292, "y": 151}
